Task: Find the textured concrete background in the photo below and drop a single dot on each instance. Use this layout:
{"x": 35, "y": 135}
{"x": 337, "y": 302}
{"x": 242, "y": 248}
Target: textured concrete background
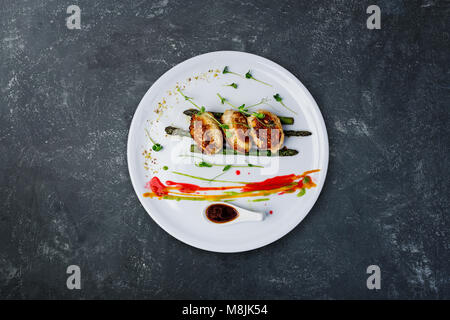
{"x": 68, "y": 96}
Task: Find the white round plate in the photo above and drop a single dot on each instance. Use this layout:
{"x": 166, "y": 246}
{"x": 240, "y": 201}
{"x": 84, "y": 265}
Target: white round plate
{"x": 201, "y": 78}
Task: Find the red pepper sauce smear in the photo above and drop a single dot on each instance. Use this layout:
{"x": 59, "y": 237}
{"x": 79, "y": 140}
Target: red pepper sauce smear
{"x": 271, "y": 183}
{"x": 221, "y": 213}
{"x": 281, "y": 185}
{"x": 157, "y": 187}
{"x": 191, "y": 188}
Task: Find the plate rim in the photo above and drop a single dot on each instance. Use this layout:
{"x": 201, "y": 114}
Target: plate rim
{"x": 267, "y": 241}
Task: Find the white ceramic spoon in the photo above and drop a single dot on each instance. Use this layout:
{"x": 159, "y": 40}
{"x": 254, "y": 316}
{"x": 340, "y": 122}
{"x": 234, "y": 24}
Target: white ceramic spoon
{"x": 235, "y": 214}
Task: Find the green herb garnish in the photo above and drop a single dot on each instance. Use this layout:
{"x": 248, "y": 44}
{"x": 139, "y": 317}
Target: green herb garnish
{"x": 189, "y": 99}
{"x": 156, "y": 146}
{"x": 279, "y": 99}
{"x": 301, "y": 192}
{"x": 224, "y": 170}
{"x": 233, "y": 85}
{"x": 259, "y": 115}
{"x": 165, "y": 168}
{"x": 242, "y": 109}
{"x": 204, "y": 164}
{"x": 248, "y": 75}
{"x": 260, "y": 199}
{"x": 226, "y": 70}
{"x": 206, "y": 179}
{"x": 202, "y": 110}
{"x": 263, "y": 100}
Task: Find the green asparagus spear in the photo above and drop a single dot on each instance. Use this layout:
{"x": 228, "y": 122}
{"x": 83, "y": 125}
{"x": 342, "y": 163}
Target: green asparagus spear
{"x": 174, "y": 131}
{"x": 283, "y": 152}
{"x": 297, "y": 133}
{"x": 217, "y": 115}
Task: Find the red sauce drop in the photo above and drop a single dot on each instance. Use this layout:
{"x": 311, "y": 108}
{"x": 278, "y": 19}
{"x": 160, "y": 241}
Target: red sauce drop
{"x": 238, "y": 172}
{"x": 221, "y": 213}
{"x": 270, "y": 211}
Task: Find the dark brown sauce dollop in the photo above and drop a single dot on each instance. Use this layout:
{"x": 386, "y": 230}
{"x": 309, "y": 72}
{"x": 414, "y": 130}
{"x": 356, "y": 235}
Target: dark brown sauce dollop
{"x": 221, "y": 213}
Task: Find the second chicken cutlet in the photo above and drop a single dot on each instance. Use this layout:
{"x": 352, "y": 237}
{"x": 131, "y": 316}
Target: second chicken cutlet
{"x": 238, "y": 133}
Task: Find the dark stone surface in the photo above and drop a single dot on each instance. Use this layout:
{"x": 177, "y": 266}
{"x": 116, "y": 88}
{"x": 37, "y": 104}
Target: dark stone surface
{"x": 68, "y": 96}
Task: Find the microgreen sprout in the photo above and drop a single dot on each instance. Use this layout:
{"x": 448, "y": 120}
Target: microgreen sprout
{"x": 226, "y": 70}
{"x": 263, "y": 100}
{"x": 206, "y": 179}
{"x": 224, "y": 170}
{"x": 279, "y": 99}
{"x": 259, "y": 115}
{"x": 222, "y": 99}
{"x": 248, "y": 75}
{"x": 205, "y": 164}
{"x": 156, "y": 146}
{"x": 233, "y": 85}
{"x": 244, "y": 111}
{"x": 254, "y": 165}
{"x": 190, "y": 100}
{"x": 202, "y": 110}
{"x": 242, "y": 108}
